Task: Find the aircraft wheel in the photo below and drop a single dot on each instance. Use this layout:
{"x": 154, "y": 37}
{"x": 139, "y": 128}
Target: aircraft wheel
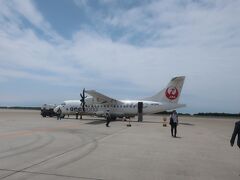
{"x": 114, "y": 118}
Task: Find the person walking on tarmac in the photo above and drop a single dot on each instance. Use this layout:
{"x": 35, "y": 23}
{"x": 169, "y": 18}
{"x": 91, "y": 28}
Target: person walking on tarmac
{"x": 236, "y": 132}
{"x": 108, "y": 118}
{"x": 59, "y": 113}
{"x": 174, "y": 123}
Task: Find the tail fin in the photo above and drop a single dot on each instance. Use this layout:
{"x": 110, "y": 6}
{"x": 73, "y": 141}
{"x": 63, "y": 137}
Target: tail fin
{"x": 171, "y": 93}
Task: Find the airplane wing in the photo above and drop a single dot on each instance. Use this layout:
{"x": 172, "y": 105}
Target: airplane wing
{"x": 101, "y": 98}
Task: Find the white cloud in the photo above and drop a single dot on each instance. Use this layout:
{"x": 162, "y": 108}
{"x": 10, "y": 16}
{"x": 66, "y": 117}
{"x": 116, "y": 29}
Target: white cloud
{"x": 14, "y": 12}
{"x": 182, "y": 23}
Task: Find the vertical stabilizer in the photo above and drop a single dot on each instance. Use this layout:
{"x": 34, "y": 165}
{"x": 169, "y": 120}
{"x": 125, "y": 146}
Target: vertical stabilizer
{"x": 171, "y": 93}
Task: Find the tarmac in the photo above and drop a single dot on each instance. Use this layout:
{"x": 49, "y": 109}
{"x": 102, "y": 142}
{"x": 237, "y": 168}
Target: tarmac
{"x": 37, "y": 148}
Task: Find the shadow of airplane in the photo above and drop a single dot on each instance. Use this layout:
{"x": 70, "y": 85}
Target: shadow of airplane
{"x": 96, "y": 122}
{"x": 160, "y": 122}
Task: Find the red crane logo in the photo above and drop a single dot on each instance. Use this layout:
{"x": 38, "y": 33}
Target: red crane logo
{"x": 171, "y": 93}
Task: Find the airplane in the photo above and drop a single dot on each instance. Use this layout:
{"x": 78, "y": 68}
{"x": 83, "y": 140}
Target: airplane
{"x": 100, "y": 105}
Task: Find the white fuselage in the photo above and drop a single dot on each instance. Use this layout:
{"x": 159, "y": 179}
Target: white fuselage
{"x": 101, "y": 105}
{"x": 122, "y": 108}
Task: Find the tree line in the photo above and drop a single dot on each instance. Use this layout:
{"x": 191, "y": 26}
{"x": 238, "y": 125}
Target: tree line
{"x": 204, "y": 114}
{"x": 20, "y": 107}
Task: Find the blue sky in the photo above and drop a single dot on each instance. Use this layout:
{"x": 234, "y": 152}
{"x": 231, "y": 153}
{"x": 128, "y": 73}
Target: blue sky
{"x": 50, "y": 50}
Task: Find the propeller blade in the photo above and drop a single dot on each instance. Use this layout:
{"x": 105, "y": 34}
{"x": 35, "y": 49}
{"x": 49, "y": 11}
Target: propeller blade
{"x": 82, "y": 95}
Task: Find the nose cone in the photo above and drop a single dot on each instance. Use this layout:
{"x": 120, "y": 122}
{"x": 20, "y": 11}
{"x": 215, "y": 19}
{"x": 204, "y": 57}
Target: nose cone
{"x": 57, "y": 109}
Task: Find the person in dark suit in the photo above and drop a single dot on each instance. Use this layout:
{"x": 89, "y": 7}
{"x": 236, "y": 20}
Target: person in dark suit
{"x": 174, "y": 122}
{"x": 236, "y": 132}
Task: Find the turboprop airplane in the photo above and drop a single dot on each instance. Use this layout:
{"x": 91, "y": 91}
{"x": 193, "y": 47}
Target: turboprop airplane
{"x": 99, "y": 104}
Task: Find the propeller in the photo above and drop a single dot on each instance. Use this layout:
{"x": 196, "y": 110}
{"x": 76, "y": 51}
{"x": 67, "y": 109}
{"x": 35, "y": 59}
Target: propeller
{"x": 83, "y": 97}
